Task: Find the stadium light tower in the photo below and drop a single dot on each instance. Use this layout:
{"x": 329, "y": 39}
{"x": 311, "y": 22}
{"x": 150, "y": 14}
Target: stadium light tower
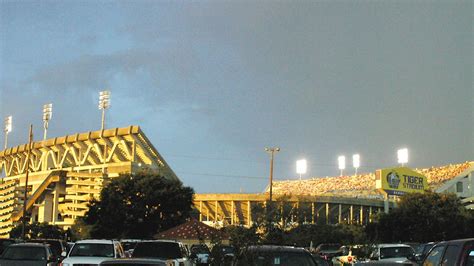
{"x": 342, "y": 163}
{"x": 271, "y": 151}
{"x": 402, "y": 155}
{"x": 301, "y": 167}
{"x": 7, "y": 129}
{"x": 104, "y": 103}
{"x": 356, "y": 162}
{"x": 47, "y": 114}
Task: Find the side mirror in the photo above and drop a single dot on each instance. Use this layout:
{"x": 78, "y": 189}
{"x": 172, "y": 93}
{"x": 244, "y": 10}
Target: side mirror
{"x": 63, "y": 254}
{"x": 412, "y": 257}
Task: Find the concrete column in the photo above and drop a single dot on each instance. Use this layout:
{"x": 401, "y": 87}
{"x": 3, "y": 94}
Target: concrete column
{"x": 370, "y": 214}
{"x": 215, "y": 212}
{"x": 327, "y": 213}
{"x": 200, "y": 211}
{"x": 361, "y": 216}
{"x": 249, "y": 213}
{"x": 352, "y": 214}
{"x": 232, "y": 212}
{"x": 339, "y": 216}
{"x": 312, "y": 212}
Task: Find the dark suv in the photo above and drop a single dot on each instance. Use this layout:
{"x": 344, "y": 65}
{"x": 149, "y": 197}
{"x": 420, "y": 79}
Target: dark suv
{"x": 57, "y": 246}
{"x": 455, "y": 252}
{"x": 274, "y": 255}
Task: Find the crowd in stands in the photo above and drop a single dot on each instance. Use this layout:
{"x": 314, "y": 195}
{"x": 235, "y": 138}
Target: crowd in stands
{"x": 362, "y": 185}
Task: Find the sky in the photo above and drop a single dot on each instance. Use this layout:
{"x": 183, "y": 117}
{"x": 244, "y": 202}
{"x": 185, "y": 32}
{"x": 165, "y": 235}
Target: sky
{"x": 212, "y": 83}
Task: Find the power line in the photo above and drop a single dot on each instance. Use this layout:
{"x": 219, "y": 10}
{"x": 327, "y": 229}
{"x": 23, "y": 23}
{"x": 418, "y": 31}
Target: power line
{"x": 224, "y": 175}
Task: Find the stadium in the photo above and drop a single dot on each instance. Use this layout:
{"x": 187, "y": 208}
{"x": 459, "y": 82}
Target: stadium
{"x": 62, "y": 174}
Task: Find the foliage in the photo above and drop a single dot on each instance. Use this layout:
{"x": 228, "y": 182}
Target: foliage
{"x": 241, "y": 237}
{"x": 138, "y": 206}
{"x": 37, "y": 230}
{"x": 422, "y": 218}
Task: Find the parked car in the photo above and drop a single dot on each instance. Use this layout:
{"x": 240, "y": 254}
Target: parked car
{"x": 274, "y": 255}
{"x": 345, "y": 258}
{"x": 201, "y": 254}
{"x": 5, "y": 242}
{"x": 455, "y": 252}
{"x": 393, "y": 253}
{"x": 28, "y": 254}
{"x": 222, "y": 255}
{"x": 422, "y": 250}
{"x": 58, "y": 246}
{"x": 93, "y": 251}
{"x": 328, "y": 251}
{"x": 163, "y": 249}
{"x": 136, "y": 262}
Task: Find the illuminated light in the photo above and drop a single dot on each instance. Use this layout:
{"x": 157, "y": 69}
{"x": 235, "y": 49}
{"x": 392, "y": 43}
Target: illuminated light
{"x": 301, "y": 166}
{"x": 342, "y": 162}
{"x": 402, "y": 155}
{"x": 8, "y": 124}
{"x": 47, "y": 112}
{"x": 104, "y": 103}
{"x": 356, "y": 160}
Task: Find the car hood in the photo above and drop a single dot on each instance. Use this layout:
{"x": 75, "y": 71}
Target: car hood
{"x": 85, "y": 260}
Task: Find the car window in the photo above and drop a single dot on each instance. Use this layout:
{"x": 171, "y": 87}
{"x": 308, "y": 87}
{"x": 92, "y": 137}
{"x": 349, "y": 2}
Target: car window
{"x": 92, "y": 250}
{"x": 395, "y": 252}
{"x": 451, "y": 255}
{"x": 470, "y": 257}
{"x": 162, "y": 250}
{"x": 25, "y": 253}
{"x": 434, "y": 257}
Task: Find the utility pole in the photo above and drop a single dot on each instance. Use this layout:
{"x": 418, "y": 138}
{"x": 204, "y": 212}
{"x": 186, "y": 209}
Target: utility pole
{"x": 23, "y": 231}
{"x": 271, "y": 151}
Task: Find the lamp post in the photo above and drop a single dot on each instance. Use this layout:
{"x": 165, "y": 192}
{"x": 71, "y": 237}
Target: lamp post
{"x": 402, "y": 155}
{"x": 271, "y": 151}
{"x": 356, "y": 162}
{"x": 47, "y": 114}
{"x": 342, "y": 163}
{"x": 104, "y": 103}
{"x": 301, "y": 167}
{"x": 7, "y": 129}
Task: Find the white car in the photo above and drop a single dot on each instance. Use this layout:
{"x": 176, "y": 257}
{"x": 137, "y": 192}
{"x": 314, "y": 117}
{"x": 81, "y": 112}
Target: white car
{"x": 393, "y": 253}
{"x": 172, "y": 251}
{"x": 93, "y": 252}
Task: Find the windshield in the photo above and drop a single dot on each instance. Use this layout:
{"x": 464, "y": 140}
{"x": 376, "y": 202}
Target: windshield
{"x": 200, "y": 249}
{"x": 92, "y": 250}
{"x": 330, "y": 247}
{"x": 55, "y": 246}
{"x": 24, "y": 253}
{"x": 395, "y": 252}
{"x": 162, "y": 250}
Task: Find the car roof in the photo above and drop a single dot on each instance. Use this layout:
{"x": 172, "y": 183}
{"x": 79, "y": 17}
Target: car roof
{"x": 96, "y": 241}
{"x": 457, "y": 241}
{"x": 393, "y": 246}
{"x": 29, "y": 245}
{"x": 138, "y": 261}
{"x": 159, "y": 241}
{"x": 276, "y": 248}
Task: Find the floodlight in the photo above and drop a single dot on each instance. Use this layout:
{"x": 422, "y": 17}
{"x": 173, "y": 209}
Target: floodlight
{"x": 356, "y": 160}
{"x": 301, "y": 167}
{"x": 8, "y": 124}
{"x": 7, "y": 129}
{"x": 104, "y": 103}
{"x": 342, "y": 162}
{"x": 47, "y": 112}
{"x": 402, "y": 155}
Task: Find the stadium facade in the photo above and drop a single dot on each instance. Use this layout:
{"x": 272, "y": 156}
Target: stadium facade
{"x": 64, "y": 173}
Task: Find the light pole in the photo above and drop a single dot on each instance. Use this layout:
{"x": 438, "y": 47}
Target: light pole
{"x": 301, "y": 167}
{"x": 7, "y": 129}
{"x": 104, "y": 103}
{"x": 356, "y": 162}
{"x": 342, "y": 163}
{"x": 271, "y": 151}
{"x": 47, "y": 114}
{"x": 402, "y": 155}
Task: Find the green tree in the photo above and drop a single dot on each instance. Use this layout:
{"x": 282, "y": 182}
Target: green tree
{"x": 37, "y": 230}
{"x": 423, "y": 217}
{"x": 138, "y": 206}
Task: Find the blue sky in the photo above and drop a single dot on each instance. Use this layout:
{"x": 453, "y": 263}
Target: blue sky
{"x": 212, "y": 83}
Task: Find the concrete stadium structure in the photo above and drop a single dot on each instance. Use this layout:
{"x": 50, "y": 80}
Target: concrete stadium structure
{"x": 66, "y": 172}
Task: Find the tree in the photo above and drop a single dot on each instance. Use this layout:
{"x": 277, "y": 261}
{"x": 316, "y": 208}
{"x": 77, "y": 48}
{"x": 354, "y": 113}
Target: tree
{"x": 424, "y": 217}
{"x": 37, "y": 230}
{"x": 138, "y": 206}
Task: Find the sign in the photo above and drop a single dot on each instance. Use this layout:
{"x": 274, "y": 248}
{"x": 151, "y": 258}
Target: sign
{"x": 399, "y": 181}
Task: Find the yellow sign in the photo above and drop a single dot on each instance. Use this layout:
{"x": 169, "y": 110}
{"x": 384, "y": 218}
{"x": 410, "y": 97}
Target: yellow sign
{"x": 398, "y": 181}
